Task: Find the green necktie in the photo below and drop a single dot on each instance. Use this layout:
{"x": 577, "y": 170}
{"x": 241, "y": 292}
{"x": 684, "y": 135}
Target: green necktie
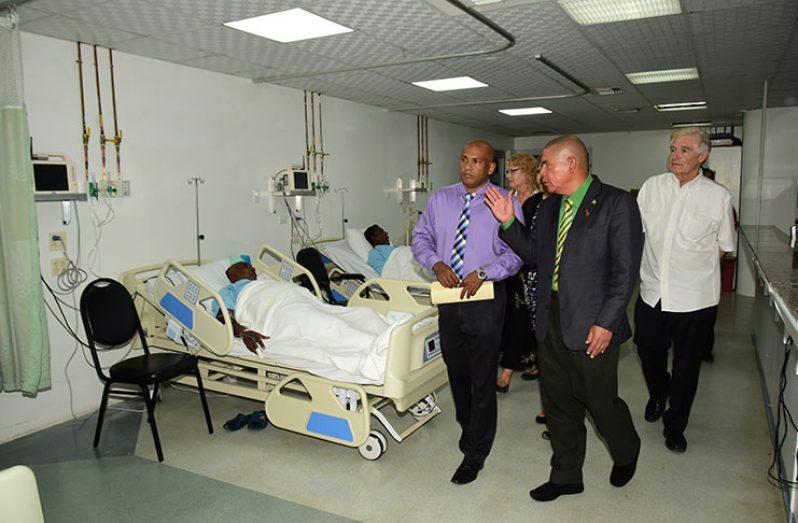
{"x": 562, "y": 233}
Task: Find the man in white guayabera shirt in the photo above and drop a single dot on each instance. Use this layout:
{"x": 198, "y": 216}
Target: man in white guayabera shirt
{"x": 688, "y": 223}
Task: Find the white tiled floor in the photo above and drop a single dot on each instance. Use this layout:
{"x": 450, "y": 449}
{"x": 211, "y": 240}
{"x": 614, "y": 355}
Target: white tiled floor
{"x": 721, "y": 477}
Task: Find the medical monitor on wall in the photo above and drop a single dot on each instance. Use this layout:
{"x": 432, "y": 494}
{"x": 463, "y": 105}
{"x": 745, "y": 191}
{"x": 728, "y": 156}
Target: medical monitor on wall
{"x": 299, "y": 180}
{"x": 53, "y": 174}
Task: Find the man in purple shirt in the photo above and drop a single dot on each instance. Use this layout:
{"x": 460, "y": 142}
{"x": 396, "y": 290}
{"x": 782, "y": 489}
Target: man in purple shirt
{"x": 457, "y": 239}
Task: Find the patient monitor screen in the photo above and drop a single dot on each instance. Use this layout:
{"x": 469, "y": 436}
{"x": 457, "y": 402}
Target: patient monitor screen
{"x": 50, "y": 177}
{"x": 301, "y": 181}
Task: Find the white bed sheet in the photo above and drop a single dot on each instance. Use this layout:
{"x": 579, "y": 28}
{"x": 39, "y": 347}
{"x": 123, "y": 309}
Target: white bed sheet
{"x": 348, "y": 344}
{"x": 342, "y": 255}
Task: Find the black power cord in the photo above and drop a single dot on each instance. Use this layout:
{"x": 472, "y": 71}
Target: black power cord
{"x": 783, "y": 416}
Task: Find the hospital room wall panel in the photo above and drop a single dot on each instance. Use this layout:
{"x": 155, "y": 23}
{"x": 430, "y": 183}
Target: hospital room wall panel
{"x": 623, "y": 159}
{"x": 179, "y": 122}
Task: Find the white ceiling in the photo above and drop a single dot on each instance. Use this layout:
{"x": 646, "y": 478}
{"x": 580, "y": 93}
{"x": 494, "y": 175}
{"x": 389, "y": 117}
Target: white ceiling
{"x": 736, "y": 45}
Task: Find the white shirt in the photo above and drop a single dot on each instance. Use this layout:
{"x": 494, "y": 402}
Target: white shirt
{"x": 686, "y": 228}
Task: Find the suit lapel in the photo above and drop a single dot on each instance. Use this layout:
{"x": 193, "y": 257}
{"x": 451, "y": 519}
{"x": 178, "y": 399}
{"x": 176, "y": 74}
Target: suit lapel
{"x": 588, "y": 206}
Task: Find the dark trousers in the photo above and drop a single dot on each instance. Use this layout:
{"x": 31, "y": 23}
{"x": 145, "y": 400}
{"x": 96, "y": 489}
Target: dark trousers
{"x": 711, "y": 343}
{"x": 470, "y": 337}
{"x": 690, "y": 333}
{"x": 572, "y": 384}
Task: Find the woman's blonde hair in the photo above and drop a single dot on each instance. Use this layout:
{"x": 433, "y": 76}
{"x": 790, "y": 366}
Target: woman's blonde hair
{"x": 529, "y": 165}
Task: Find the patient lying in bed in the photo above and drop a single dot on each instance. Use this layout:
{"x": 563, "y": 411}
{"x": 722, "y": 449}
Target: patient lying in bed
{"x": 240, "y": 274}
{"x": 343, "y": 343}
{"x": 381, "y": 247}
{"x": 393, "y": 262}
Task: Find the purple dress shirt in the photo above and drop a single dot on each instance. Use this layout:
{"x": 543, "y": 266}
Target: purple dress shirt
{"x": 433, "y": 236}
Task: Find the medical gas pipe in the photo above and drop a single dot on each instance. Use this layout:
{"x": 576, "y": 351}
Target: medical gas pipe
{"x": 117, "y": 139}
{"x": 86, "y": 130}
{"x": 100, "y": 110}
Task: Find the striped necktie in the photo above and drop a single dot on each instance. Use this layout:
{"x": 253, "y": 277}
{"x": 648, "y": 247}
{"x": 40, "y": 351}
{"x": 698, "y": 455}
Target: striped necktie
{"x": 562, "y": 233}
{"x": 458, "y": 251}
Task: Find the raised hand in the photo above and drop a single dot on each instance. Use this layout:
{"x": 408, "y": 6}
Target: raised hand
{"x": 501, "y": 206}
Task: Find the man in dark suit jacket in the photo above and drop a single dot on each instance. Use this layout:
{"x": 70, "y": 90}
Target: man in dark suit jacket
{"x": 587, "y": 251}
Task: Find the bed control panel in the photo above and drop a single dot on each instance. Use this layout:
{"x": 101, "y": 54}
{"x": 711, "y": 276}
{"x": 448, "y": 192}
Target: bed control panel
{"x": 432, "y": 347}
{"x": 192, "y": 292}
{"x": 286, "y": 270}
{"x": 351, "y": 287}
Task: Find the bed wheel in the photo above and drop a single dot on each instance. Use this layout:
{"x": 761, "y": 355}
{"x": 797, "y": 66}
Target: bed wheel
{"x": 424, "y": 407}
{"x": 374, "y": 447}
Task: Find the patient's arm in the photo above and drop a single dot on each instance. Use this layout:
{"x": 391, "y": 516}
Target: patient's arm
{"x": 252, "y": 339}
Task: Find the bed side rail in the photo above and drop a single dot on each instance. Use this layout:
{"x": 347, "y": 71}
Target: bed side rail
{"x": 136, "y": 282}
{"x": 182, "y": 296}
{"x": 392, "y": 295}
{"x": 280, "y": 266}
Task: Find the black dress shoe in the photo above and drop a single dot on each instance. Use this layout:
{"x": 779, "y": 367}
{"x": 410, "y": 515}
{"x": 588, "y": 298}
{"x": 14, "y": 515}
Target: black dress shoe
{"x": 654, "y": 409}
{"x": 540, "y": 419}
{"x": 675, "y": 441}
{"x": 550, "y": 491}
{"x": 466, "y": 472}
{"x": 623, "y": 474}
{"x": 501, "y": 389}
{"x": 530, "y": 375}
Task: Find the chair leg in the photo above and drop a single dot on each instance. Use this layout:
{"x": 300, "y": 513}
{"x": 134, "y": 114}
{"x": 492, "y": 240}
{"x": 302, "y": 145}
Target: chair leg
{"x": 101, "y": 414}
{"x": 204, "y": 400}
{"x": 150, "y": 401}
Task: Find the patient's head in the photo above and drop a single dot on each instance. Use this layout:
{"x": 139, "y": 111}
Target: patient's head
{"x": 376, "y": 235}
{"x": 240, "y": 271}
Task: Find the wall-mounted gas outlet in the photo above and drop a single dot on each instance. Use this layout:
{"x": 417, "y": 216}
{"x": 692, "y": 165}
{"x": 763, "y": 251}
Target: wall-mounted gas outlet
{"x": 113, "y": 188}
{"x": 58, "y": 266}
{"x": 57, "y": 241}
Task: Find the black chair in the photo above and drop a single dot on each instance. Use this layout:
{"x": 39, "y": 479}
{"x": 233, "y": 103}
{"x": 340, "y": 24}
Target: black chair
{"x": 310, "y": 259}
{"x": 110, "y": 320}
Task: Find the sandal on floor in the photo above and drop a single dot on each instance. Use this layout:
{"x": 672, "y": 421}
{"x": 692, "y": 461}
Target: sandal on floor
{"x": 236, "y": 423}
{"x": 546, "y": 435}
{"x": 257, "y": 420}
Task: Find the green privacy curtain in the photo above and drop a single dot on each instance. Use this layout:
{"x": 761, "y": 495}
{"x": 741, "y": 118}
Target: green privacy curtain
{"x": 24, "y": 343}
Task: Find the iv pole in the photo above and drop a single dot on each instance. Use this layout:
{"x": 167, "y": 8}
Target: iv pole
{"x": 195, "y": 181}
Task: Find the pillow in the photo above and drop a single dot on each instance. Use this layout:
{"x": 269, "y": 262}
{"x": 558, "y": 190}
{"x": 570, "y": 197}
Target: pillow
{"x": 358, "y": 243}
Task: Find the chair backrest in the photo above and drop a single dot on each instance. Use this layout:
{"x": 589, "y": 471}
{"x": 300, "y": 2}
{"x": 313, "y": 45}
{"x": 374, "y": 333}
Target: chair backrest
{"x": 19, "y": 496}
{"x": 109, "y": 317}
{"x": 310, "y": 259}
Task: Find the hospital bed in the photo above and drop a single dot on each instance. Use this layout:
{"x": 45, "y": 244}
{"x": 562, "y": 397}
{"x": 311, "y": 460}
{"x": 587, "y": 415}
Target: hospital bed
{"x": 173, "y": 308}
{"x": 340, "y": 257}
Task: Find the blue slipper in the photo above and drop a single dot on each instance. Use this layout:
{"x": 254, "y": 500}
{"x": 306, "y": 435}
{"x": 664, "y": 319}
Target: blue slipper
{"x": 257, "y": 420}
{"x": 236, "y": 423}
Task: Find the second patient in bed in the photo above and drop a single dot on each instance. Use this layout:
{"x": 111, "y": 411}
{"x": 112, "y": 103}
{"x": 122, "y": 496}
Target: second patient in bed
{"x": 240, "y": 274}
{"x": 378, "y": 239}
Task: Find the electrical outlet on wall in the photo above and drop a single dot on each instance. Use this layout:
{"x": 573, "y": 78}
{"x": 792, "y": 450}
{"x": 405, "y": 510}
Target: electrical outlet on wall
{"x": 57, "y": 241}
{"x": 58, "y": 266}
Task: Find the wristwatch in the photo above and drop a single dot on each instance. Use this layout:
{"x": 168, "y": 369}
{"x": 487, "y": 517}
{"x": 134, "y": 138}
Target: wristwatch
{"x": 481, "y": 274}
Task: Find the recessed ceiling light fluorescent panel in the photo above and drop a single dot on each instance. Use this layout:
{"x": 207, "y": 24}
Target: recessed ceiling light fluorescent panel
{"x": 668, "y": 75}
{"x": 681, "y": 106}
{"x": 691, "y": 124}
{"x": 522, "y": 111}
{"x": 591, "y": 12}
{"x": 450, "y": 84}
{"x": 289, "y": 26}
